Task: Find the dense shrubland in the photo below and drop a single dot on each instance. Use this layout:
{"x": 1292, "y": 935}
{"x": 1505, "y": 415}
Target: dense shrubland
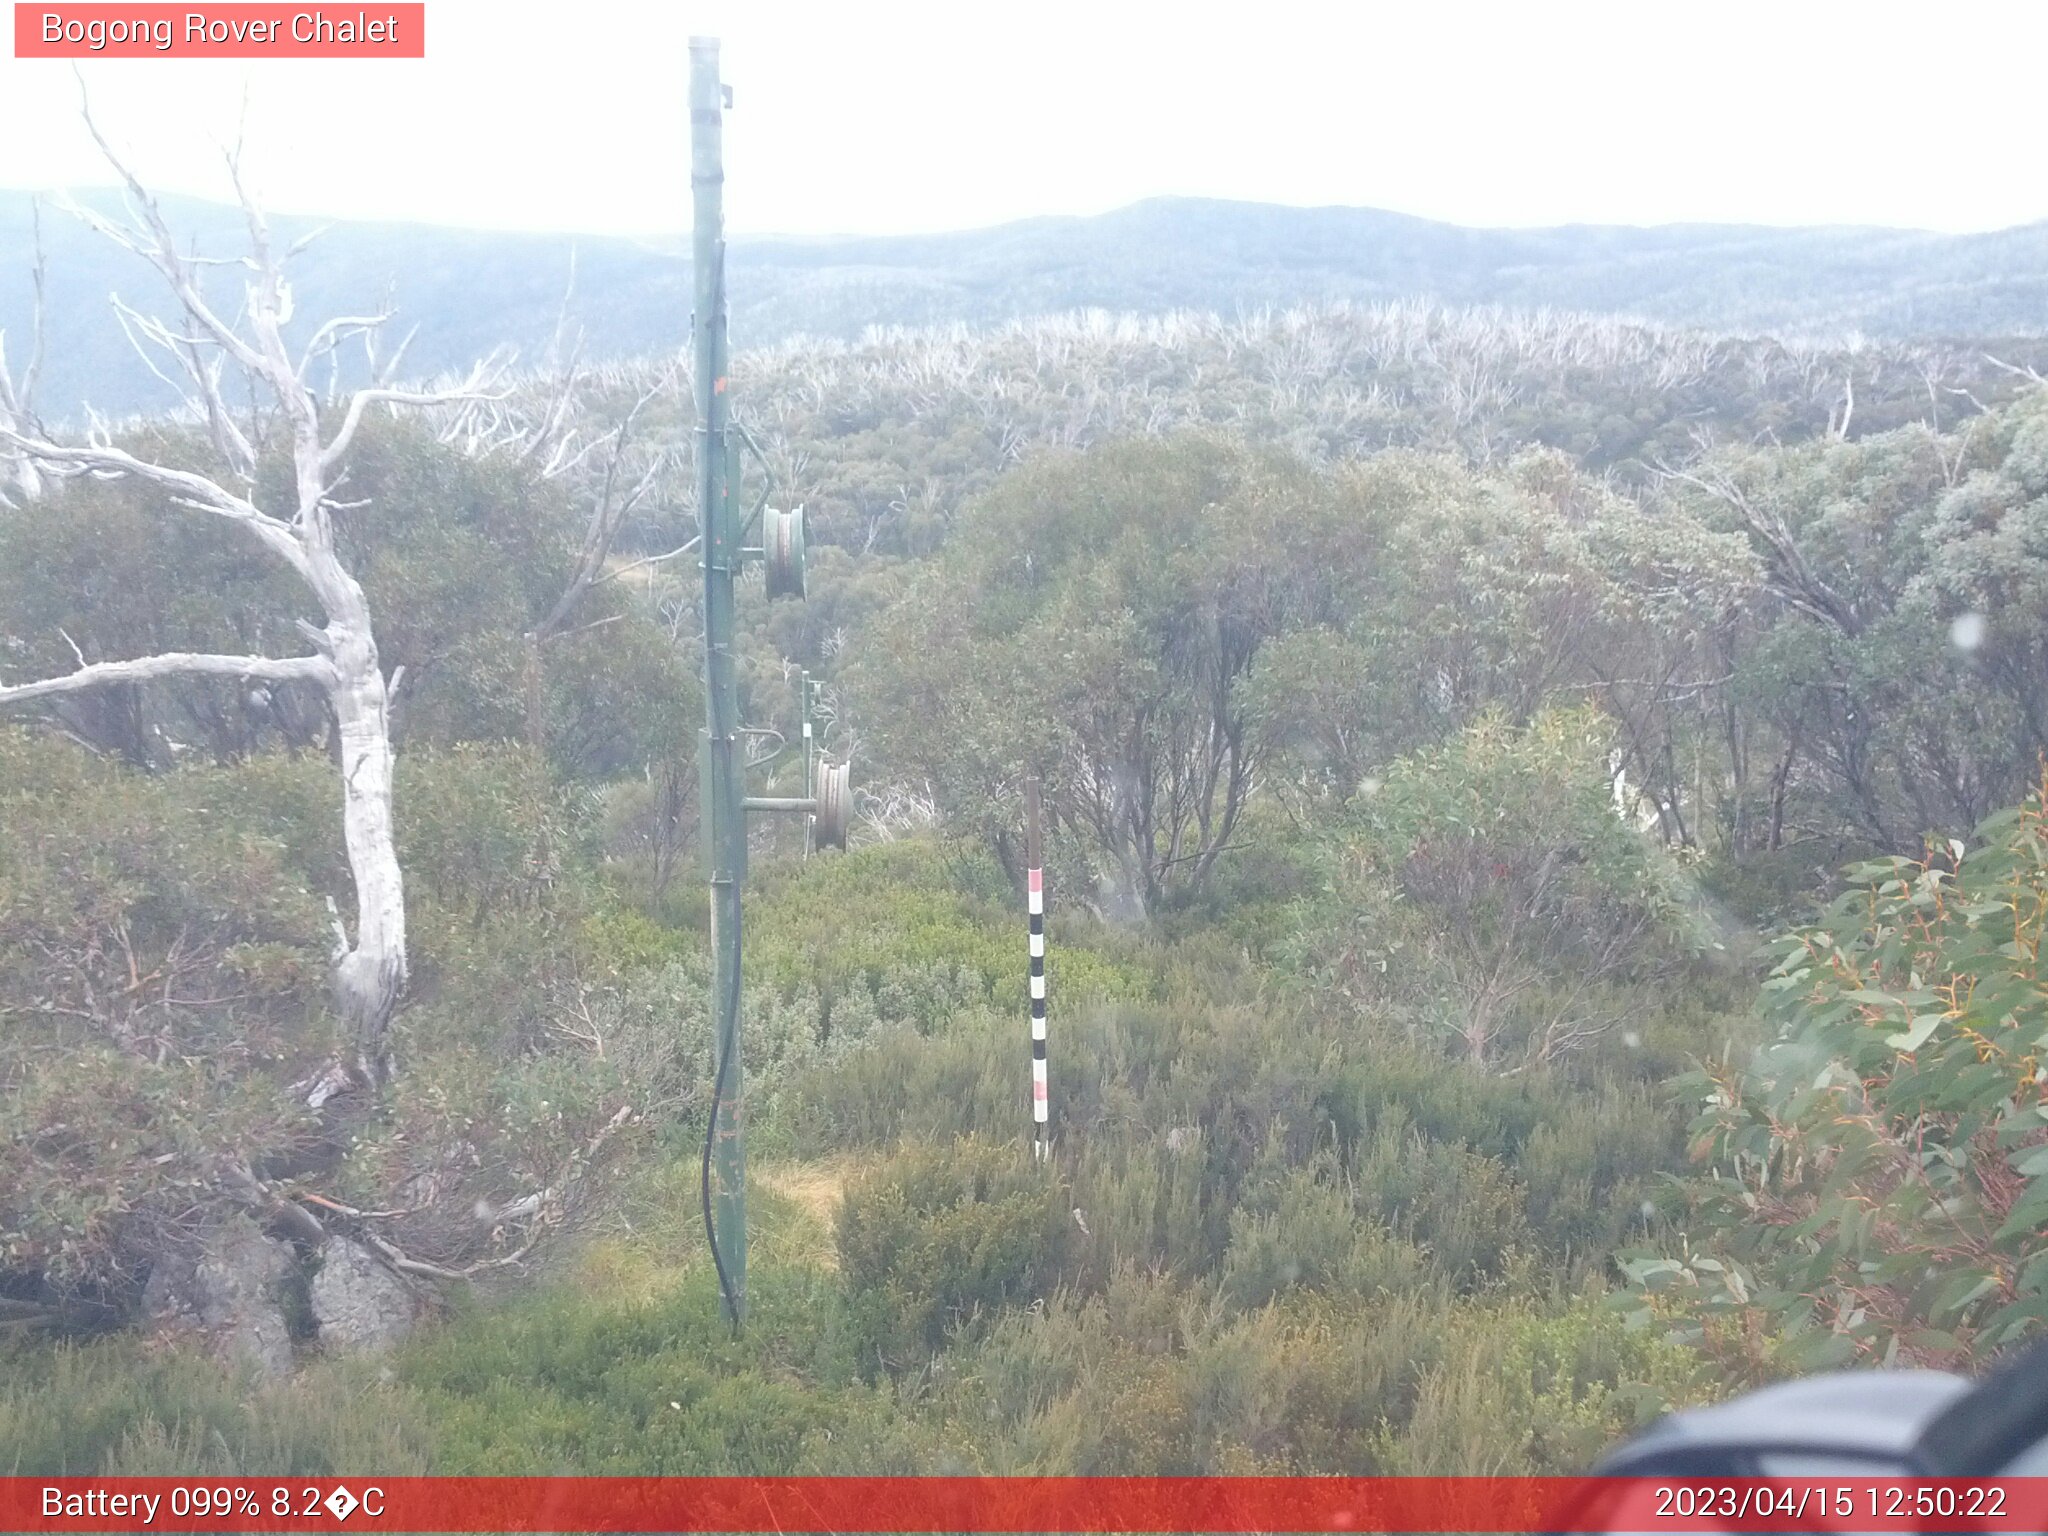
{"x": 1276, "y": 1239}
{"x": 1440, "y": 716}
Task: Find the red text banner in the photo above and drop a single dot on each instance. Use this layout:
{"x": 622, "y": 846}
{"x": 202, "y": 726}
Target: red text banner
{"x": 1021, "y": 1504}
{"x": 263, "y": 31}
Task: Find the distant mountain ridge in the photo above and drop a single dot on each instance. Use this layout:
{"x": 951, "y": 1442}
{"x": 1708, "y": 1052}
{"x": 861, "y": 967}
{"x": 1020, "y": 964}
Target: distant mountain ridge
{"x": 471, "y": 290}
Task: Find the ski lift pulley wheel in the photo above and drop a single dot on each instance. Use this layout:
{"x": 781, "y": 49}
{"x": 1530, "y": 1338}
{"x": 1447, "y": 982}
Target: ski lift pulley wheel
{"x": 782, "y": 542}
{"x": 835, "y": 804}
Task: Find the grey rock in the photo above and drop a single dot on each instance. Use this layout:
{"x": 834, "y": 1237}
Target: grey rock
{"x": 230, "y": 1291}
{"x": 358, "y": 1303}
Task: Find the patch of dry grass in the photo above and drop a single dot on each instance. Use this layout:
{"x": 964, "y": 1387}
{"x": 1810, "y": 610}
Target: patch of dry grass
{"x": 805, "y": 1229}
{"x": 638, "y": 1253}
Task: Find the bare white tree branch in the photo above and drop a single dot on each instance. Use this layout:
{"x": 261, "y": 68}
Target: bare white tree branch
{"x": 269, "y": 669}
{"x": 475, "y": 387}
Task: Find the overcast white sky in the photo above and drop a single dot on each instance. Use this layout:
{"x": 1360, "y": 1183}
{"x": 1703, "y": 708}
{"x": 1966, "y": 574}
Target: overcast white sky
{"x": 887, "y": 117}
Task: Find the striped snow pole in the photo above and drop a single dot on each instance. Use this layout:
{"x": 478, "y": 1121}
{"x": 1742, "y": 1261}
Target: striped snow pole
{"x": 1034, "y": 881}
{"x": 810, "y": 761}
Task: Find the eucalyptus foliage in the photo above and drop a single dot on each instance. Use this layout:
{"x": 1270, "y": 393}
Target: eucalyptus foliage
{"x": 1878, "y": 1175}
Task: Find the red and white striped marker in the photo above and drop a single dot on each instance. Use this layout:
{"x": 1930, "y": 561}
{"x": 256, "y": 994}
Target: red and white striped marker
{"x": 1034, "y": 881}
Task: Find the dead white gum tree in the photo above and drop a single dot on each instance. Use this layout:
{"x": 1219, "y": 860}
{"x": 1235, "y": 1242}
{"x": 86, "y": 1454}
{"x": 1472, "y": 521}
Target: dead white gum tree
{"x": 369, "y": 973}
{"x": 19, "y": 481}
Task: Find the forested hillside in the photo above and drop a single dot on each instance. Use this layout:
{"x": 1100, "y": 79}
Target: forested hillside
{"x": 472, "y": 291}
{"x": 1546, "y": 836}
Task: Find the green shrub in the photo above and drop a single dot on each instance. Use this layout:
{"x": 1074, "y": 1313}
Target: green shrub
{"x": 1307, "y": 1233}
{"x": 1520, "y": 1390}
{"x": 943, "y": 1236}
{"x": 162, "y": 970}
{"x": 1461, "y": 1206}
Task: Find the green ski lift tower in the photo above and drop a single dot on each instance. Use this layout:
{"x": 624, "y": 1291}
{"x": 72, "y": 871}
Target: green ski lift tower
{"x": 724, "y": 534}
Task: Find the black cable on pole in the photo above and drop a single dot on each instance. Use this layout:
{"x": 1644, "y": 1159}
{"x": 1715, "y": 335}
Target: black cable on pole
{"x": 725, "y": 1289}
